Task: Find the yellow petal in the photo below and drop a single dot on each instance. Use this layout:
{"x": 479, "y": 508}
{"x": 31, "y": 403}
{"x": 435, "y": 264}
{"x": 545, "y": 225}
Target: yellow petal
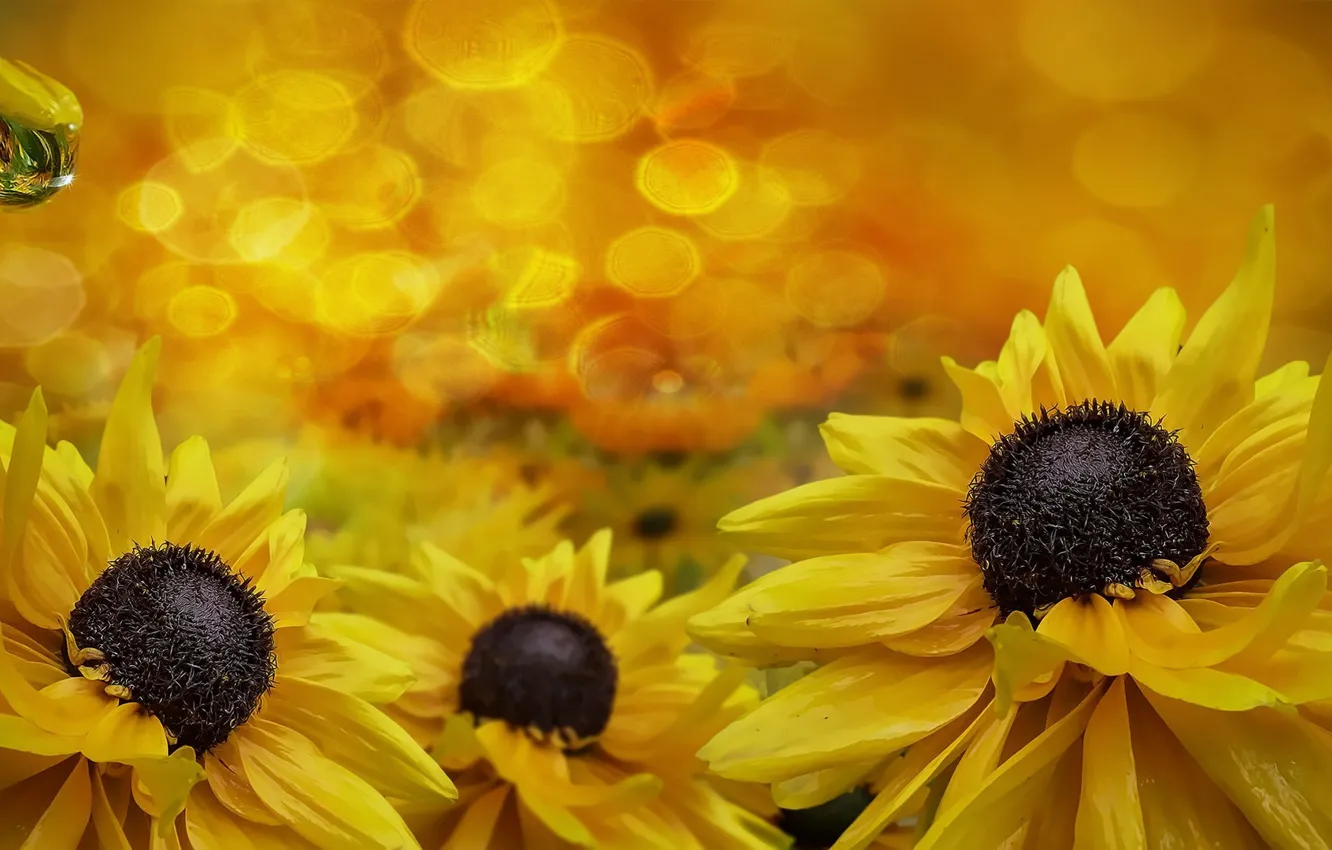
{"x": 210, "y": 826}
{"x": 361, "y": 738}
{"x": 1075, "y": 343}
{"x": 627, "y": 599}
{"x": 858, "y": 513}
{"x": 239, "y": 524}
{"x": 469, "y": 593}
{"x": 1143, "y": 352}
{"x": 1204, "y": 686}
{"x": 979, "y": 761}
{"x": 225, "y": 772}
{"x": 61, "y": 709}
{"x": 587, "y": 580}
{"x": 477, "y": 825}
{"x": 331, "y": 651}
{"x": 958, "y": 628}
{"x": 125, "y": 734}
{"x": 1026, "y": 664}
{"x": 106, "y": 821}
{"x": 851, "y": 600}
{"x": 192, "y": 497}
{"x": 662, "y": 628}
{"x": 293, "y": 605}
{"x": 725, "y": 630}
{"x": 61, "y": 827}
{"x": 1213, "y": 375}
{"x": 1275, "y": 766}
{"x": 856, "y": 708}
{"x": 276, "y": 559}
{"x": 406, "y": 603}
{"x": 817, "y": 788}
{"x": 1090, "y": 632}
{"x": 338, "y": 811}
{"x": 1109, "y": 813}
{"x": 906, "y": 778}
{"x": 130, "y": 486}
{"x": 984, "y": 414}
{"x": 162, "y": 785}
{"x": 939, "y": 451}
{"x": 1022, "y": 355}
{"x": 25, "y": 736}
{"x": 1151, "y": 624}
{"x": 539, "y": 770}
{"x": 1181, "y": 807}
{"x": 1012, "y": 793}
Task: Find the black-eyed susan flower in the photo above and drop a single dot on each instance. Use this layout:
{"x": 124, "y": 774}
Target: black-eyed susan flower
{"x": 1152, "y": 508}
{"x": 565, "y": 705}
{"x": 160, "y": 683}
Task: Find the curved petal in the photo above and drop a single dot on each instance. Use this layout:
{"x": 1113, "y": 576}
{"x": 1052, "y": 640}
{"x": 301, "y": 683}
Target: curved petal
{"x": 984, "y": 414}
{"x": 477, "y": 824}
{"x": 1089, "y": 631}
{"x": 541, "y": 772}
{"x": 858, "y": 513}
{"x": 24, "y": 736}
{"x": 661, "y": 630}
{"x": 1204, "y": 686}
{"x": 978, "y": 762}
{"x": 332, "y": 652}
{"x": 292, "y": 606}
{"x": 339, "y": 811}
{"x": 1109, "y": 812}
{"x": 225, "y": 773}
{"x": 408, "y": 604}
{"x": 106, "y": 821}
{"x": 1213, "y": 375}
{"x": 815, "y": 789}
{"x": 125, "y": 734}
{"x": 232, "y": 531}
{"x": 277, "y": 558}
{"x": 859, "y": 707}
{"x": 725, "y": 630}
{"x": 192, "y": 497}
{"x": 939, "y": 451}
{"x": 1143, "y": 352}
{"x": 130, "y": 485}
{"x": 1013, "y": 792}
{"x": 67, "y": 707}
{"x": 210, "y": 826}
{"x": 1026, "y": 664}
{"x": 1070, "y": 328}
{"x": 162, "y": 784}
{"x": 1023, "y": 354}
{"x": 62, "y": 826}
{"x": 358, "y": 736}
{"x": 1275, "y": 766}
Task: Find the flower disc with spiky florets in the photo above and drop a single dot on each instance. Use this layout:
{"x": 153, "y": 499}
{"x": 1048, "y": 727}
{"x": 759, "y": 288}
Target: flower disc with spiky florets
{"x": 1131, "y": 525}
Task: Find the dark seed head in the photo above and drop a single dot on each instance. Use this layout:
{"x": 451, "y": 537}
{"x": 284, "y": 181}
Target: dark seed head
{"x": 535, "y": 668}
{"x": 656, "y": 523}
{"x": 818, "y": 828}
{"x": 1076, "y": 499}
{"x": 186, "y": 635}
{"x": 913, "y": 387}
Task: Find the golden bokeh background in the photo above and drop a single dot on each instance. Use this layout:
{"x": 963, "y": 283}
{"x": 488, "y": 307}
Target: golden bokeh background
{"x": 668, "y": 225}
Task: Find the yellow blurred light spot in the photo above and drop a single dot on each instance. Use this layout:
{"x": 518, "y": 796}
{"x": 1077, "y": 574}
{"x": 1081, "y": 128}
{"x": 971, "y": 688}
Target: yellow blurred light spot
{"x": 835, "y": 51}
{"x": 295, "y": 116}
{"x": 202, "y": 311}
{"x": 483, "y": 44}
{"x": 433, "y": 118}
{"x": 693, "y": 100}
{"x": 149, "y": 206}
{"x": 301, "y": 34}
{"x": 41, "y": 294}
{"x": 289, "y": 294}
{"x": 71, "y": 364}
{"x": 440, "y": 367}
{"x": 1118, "y": 49}
{"x": 156, "y": 287}
{"x": 737, "y": 48}
{"x": 761, "y": 203}
{"x": 534, "y": 277}
{"x": 836, "y": 288}
{"x": 370, "y": 188}
{"x": 1135, "y": 159}
{"x": 199, "y": 125}
{"x": 519, "y": 193}
{"x": 286, "y": 230}
{"x": 668, "y": 382}
{"x": 653, "y": 262}
{"x": 695, "y": 312}
{"x": 375, "y": 294}
{"x": 687, "y": 177}
{"x": 817, "y": 167}
{"x": 595, "y": 89}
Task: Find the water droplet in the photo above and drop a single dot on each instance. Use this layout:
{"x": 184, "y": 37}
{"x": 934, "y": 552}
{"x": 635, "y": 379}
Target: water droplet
{"x": 39, "y": 135}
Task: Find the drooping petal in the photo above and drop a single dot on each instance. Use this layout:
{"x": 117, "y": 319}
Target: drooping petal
{"x": 477, "y": 825}
{"x": 1012, "y": 792}
{"x": 125, "y": 734}
{"x": 813, "y": 789}
{"x": 192, "y": 496}
{"x": 1143, "y": 352}
{"x": 225, "y": 772}
{"x": 1075, "y": 342}
{"x": 338, "y": 811}
{"x": 1026, "y": 664}
{"x": 107, "y": 823}
{"x": 1214, "y": 373}
{"x": 62, "y": 709}
{"x": 62, "y": 825}
{"x": 978, "y": 762}
{"x": 862, "y": 706}
{"x": 1204, "y": 686}
{"x": 358, "y": 736}
{"x": 1109, "y": 812}
{"x": 1274, "y": 765}
{"x": 162, "y": 785}
{"x": 939, "y": 451}
{"x": 1089, "y": 631}
{"x": 24, "y": 736}
{"x": 858, "y": 513}
{"x": 130, "y": 485}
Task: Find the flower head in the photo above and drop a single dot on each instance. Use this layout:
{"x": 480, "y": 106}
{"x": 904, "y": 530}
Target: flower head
{"x": 1131, "y": 525}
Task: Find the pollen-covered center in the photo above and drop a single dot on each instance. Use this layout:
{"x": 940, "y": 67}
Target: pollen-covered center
{"x": 535, "y": 668}
{"x": 1075, "y": 500}
{"x": 181, "y": 634}
{"x": 819, "y": 827}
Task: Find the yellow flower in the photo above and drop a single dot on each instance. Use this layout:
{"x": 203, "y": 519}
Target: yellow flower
{"x": 36, "y": 100}
{"x": 160, "y": 681}
{"x": 565, "y": 706}
{"x": 664, "y": 509}
{"x": 1143, "y": 501}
